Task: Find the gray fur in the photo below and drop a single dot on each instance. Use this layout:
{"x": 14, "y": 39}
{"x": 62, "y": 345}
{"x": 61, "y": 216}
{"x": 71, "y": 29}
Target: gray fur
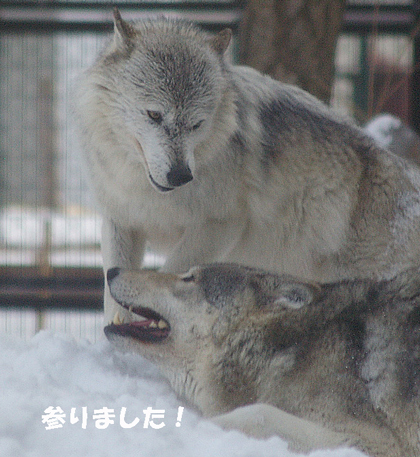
{"x": 207, "y": 162}
{"x": 320, "y": 365}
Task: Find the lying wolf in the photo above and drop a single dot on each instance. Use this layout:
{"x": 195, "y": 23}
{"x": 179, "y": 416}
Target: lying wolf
{"x": 319, "y": 365}
{"x": 209, "y": 162}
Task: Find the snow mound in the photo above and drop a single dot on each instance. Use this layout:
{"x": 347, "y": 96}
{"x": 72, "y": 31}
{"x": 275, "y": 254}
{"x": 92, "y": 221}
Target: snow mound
{"x": 56, "y": 395}
{"x": 382, "y": 129}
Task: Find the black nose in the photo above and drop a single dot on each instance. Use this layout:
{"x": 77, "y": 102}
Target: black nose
{"x": 112, "y": 273}
{"x": 179, "y": 175}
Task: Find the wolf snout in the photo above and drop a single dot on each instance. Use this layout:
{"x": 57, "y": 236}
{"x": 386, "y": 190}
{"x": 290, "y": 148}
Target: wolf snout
{"x": 179, "y": 175}
{"x": 112, "y": 273}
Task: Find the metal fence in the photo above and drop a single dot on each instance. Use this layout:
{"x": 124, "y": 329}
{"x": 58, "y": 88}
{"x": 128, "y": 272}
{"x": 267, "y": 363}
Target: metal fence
{"x": 50, "y": 264}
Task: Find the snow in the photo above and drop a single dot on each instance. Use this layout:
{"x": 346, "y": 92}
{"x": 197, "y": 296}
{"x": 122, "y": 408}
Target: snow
{"x": 55, "y": 370}
{"x": 72, "y": 238}
{"x": 382, "y": 129}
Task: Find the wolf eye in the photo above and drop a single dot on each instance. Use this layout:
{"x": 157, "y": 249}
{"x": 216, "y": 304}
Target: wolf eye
{"x": 155, "y": 116}
{"x": 197, "y": 126}
{"x": 188, "y": 278}
{"x": 192, "y": 275}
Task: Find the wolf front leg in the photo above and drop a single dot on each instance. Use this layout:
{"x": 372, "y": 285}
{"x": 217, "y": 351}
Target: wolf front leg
{"x": 264, "y": 421}
{"x": 121, "y": 247}
{"x": 208, "y": 242}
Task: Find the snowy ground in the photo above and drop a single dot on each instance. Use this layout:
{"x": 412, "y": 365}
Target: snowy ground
{"x": 53, "y": 370}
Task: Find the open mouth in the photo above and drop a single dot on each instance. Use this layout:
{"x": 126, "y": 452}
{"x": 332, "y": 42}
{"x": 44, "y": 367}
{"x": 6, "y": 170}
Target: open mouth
{"x": 158, "y": 186}
{"x": 152, "y": 328}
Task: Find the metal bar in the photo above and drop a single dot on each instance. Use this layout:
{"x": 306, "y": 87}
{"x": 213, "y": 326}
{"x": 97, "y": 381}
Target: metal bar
{"x": 358, "y": 18}
{"x": 415, "y": 79}
{"x": 392, "y": 21}
{"x": 63, "y": 288}
{"x": 98, "y": 16}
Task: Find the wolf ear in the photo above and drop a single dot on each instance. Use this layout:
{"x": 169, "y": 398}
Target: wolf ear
{"x": 220, "y": 42}
{"x": 124, "y": 32}
{"x": 294, "y": 295}
{"x": 284, "y": 291}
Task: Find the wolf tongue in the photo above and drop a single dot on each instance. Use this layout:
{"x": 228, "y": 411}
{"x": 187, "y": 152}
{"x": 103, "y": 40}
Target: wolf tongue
{"x": 150, "y": 323}
{"x": 149, "y": 319}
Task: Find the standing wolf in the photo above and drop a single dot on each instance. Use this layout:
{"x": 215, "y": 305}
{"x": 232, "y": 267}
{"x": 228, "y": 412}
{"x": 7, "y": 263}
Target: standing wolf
{"x": 207, "y": 161}
{"x": 320, "y": 365}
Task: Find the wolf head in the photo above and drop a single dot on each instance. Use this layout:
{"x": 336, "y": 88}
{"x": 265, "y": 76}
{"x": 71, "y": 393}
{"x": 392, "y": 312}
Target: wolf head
{"x": 215, "y": 332}
{"x": 166, "y": 79}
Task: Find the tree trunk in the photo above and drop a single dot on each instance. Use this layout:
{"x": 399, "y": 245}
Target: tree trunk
{"x": 293, "y": 41}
